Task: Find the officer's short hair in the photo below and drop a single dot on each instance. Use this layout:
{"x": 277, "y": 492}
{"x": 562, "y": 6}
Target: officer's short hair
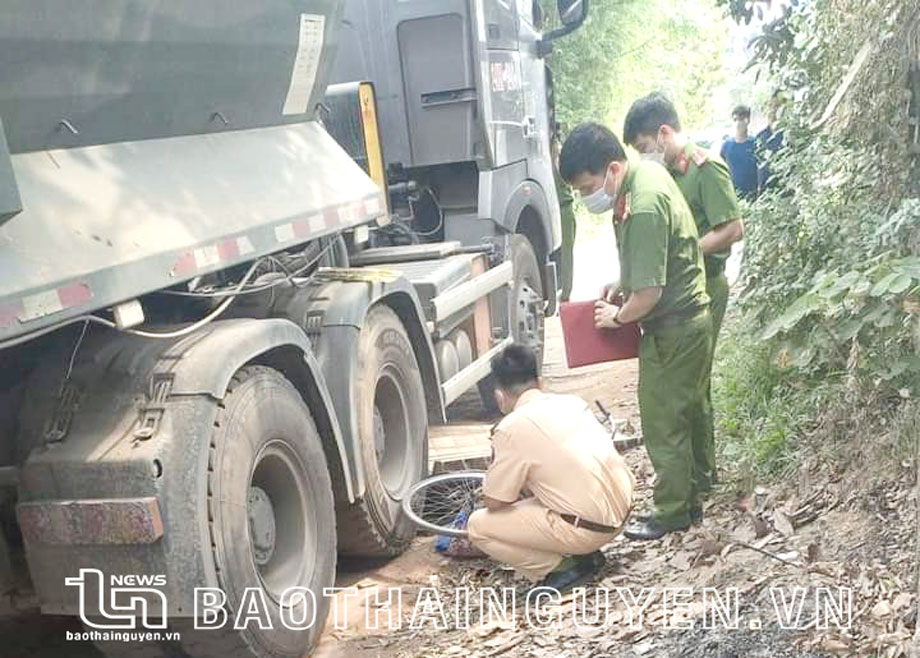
{"x": 742, "y": 111}
{"x": 590, "y": 148}
{"x": 514, "y": 369}
{"x": 647, "y": 115}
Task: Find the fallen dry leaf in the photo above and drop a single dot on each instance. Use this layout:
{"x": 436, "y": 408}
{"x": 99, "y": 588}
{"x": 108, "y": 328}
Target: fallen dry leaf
{"x": 834, "y": 645}
{"x": 902, "y": 600}
{"x": 891, "y": 639}
{"x": 590, "y": 632}
{"x": 881, "y": 609}
{"x": 501, "y": 639}
{"x": 681, "y": 560}
{"x": 782, "y": 523}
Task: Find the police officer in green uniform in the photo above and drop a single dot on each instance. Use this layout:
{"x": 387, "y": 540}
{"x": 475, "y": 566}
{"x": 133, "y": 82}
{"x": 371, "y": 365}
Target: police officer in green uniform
{"x": 567, "y": 215}
{"x": 652, "y": 127}
{"x": 663, "y": 283}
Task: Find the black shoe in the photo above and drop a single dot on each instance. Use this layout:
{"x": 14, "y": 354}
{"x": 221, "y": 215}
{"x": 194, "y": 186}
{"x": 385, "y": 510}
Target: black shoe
{"x": 564, "y": 580}
{"x": 649, "y": 530}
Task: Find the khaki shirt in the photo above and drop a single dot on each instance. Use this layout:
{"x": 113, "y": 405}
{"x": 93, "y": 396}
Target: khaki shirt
{"x": 554, "y": 447}
{"x": 706, "y": 183}
{"x": 658, "y": 241}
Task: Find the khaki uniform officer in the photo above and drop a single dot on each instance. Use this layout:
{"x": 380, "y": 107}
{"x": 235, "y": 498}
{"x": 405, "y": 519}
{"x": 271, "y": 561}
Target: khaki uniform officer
{"x": 662, "y": 280}
{"x": 653, "y": 128}
{"x": 551, "y": 449}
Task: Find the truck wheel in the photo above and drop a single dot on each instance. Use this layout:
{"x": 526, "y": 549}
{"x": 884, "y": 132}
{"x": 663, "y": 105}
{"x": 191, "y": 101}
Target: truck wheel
{"x": 527, "y": 304}
{"x": 392, "y": 426}
{"x": 271, "y": 520}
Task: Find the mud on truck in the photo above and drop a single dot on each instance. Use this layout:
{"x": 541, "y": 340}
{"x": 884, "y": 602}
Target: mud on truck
{"x": 249, "y": 253}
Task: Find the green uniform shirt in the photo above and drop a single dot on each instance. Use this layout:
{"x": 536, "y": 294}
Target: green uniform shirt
{"x": 657, "y": 241}
{"x": 706, "y": 183}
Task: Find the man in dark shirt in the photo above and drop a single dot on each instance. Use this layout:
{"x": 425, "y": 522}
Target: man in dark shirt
{"x": 768, "y": 143}
{"x": 739, "y": 154}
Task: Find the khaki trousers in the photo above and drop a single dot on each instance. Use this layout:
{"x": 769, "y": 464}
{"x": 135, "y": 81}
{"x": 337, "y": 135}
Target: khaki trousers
{"x": 530, "y": 537}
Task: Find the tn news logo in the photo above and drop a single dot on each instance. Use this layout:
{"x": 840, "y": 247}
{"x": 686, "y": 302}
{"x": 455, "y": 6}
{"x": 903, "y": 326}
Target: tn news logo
{"x": 128, "y": 598}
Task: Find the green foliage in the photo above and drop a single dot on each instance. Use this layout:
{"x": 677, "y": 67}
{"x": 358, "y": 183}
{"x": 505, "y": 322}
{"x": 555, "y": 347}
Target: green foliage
{"x": 628, "y": 48}
{"x": 831, "y": 298}
{"x": 759, "y": 411}
{"x": 831, "y": 269}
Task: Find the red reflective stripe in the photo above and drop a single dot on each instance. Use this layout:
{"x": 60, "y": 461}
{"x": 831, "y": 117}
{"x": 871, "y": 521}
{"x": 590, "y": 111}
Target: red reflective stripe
{"x": 10, "y": 315}
{"x": 74, "y": 294}
{"x": 228, "y": 249}
{"x": 302, "y": 228}
{"x": 186, "y": 264}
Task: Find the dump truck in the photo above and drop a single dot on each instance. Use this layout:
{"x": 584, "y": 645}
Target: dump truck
{"x": 249, "y": 254}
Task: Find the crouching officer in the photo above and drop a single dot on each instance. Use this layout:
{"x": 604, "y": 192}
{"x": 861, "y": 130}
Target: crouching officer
{"x": 663, "y": 282}
{"x": 652, "y": 127}
{"x": 579, "y": 490}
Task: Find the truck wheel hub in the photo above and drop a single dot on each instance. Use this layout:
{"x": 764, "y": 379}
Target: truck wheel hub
{"x": 261, "y": 525}
{"x": 391, "y": 433}
{"x": 528, "y": 303}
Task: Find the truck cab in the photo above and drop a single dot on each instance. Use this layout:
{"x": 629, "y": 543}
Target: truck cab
{"x": 464, "y": 103}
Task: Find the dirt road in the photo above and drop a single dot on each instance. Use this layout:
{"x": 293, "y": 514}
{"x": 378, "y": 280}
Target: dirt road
{"x": 836, "y": 551}
{"x": 775, "y": 550}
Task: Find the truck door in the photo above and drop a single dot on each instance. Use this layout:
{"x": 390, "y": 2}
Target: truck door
{"x": 501, "y": 80}
{"x": 538, "y": 114}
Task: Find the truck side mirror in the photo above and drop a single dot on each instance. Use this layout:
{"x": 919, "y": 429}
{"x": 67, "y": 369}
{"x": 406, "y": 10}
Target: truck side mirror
{"x": 572, "y": 14}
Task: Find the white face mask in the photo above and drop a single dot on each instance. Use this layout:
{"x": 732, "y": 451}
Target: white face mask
{"x": 599, "y": 201}
{"x": 658, "y": 154}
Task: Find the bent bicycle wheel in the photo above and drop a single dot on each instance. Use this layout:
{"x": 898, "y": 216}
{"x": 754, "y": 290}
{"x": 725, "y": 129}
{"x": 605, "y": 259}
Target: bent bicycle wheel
{"x": 436, "y": 503}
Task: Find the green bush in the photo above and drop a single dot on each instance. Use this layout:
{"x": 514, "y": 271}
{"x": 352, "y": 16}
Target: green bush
{"x": 831, "y": 277}
{"x": 763, "y": 411}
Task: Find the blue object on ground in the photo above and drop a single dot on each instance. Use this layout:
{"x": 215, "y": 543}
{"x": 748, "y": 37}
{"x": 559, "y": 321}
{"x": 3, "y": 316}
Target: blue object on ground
{"x": 442, "y": 543}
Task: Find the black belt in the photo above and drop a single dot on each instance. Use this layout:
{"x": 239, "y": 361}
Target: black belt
{"x": 579, "y": 522}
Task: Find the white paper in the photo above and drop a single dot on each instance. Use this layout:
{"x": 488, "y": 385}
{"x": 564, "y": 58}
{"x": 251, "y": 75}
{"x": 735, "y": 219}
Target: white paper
{"x": 309, "y": 48}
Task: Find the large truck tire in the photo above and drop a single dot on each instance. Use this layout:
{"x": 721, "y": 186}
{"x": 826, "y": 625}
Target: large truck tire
{"x": 527, "y": 325}
{"x": 392, "y": 426}
{"x": 271, "y": 521}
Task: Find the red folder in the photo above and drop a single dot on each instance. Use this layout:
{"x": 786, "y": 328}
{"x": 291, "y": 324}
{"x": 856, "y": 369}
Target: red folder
{"x": 585, "y": 344}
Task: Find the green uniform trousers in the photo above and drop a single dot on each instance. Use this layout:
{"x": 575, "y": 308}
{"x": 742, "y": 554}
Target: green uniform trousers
{"x": 674, "y": 365}
{"x": 567, "y": 256}
{"x": 568, "y": 250}
{"x": 705, "y": 452}
{"x": 717, "y": 287}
